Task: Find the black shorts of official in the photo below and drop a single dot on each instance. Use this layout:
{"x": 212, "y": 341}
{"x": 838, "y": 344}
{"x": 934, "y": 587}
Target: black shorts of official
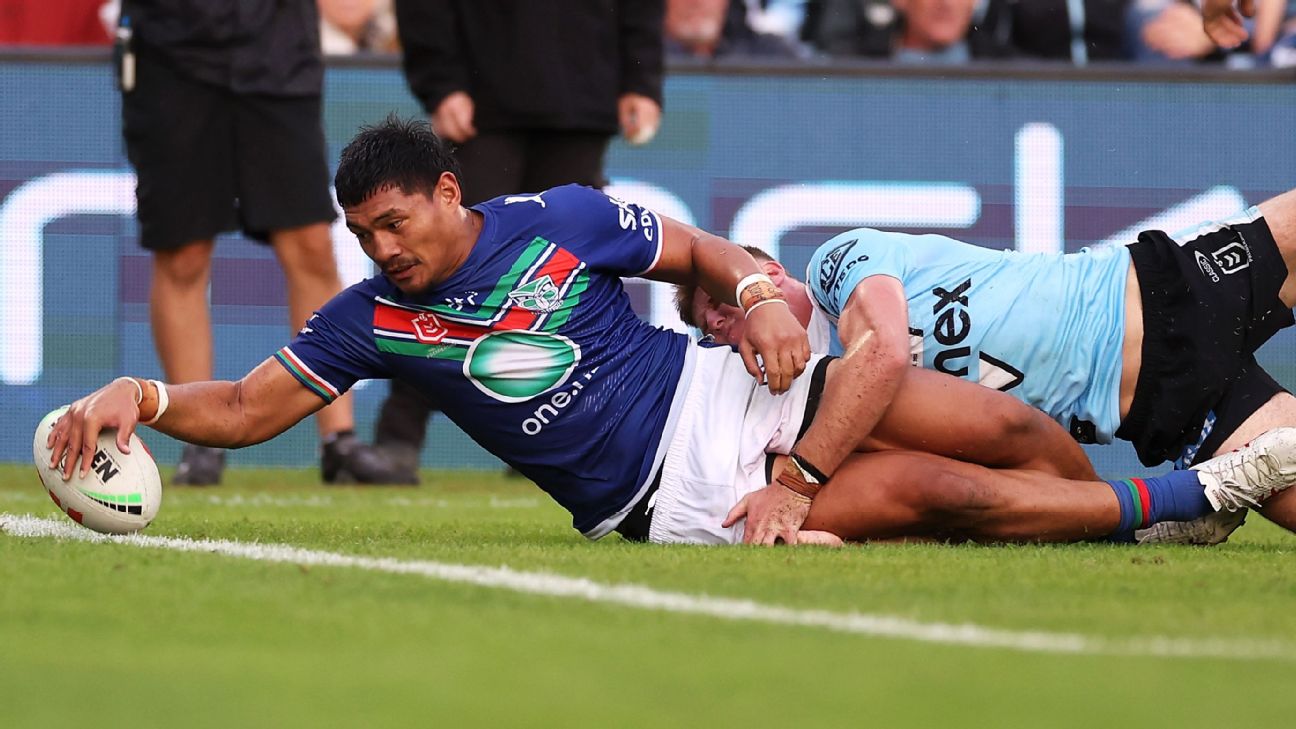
{"x": 208, "y": 160}
{"x": 1208, "y": 305}
{"x": 634, "y": 527}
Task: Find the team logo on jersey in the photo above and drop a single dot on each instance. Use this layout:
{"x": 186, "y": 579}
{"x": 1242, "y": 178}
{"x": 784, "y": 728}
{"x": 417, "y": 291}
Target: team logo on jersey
{"x": 836, "y": 264}
{"x": 539, "y": 295}
{"x": 1233, "y": 257}
{"x": 507, "y": 341}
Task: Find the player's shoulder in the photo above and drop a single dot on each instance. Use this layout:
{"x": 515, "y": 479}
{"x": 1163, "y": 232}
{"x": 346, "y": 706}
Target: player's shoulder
{"x": 356, "y": 302}
{"x": 847, "y": 250}
{"x": 863, "y": 239}
{"x": 546, "y": 202}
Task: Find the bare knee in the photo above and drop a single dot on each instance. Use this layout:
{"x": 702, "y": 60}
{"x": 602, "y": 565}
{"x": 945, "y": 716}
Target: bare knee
{"x": 949, "y": 501}
{"x": 306, "y": 252}
{"x": 185, "y": 267}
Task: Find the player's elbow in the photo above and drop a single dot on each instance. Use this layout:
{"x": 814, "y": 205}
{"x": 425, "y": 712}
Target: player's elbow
{"x": 891, "y": 362}
{"x": 250, "y": 425}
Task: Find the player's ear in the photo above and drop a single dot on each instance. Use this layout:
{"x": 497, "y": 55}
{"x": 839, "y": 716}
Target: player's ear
{"x": 448, "y": 190}
{"x": 775, "y": 271}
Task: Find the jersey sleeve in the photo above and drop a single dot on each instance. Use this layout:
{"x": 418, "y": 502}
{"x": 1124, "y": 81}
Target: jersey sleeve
{"x": 839, "y": 265}
{"x": 335, "y": 348}
{"x": 611, "y": 235}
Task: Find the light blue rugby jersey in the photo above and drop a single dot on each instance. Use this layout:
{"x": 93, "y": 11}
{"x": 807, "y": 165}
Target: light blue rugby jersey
{"x": 1046, "y": 328}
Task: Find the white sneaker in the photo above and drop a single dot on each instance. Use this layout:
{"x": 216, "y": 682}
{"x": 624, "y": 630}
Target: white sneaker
{"x": 1206, "y": 531}
{"x": 1249, "y": 475}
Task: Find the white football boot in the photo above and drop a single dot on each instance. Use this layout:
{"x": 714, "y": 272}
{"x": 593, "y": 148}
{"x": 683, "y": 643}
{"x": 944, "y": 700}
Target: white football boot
{"x": 1206, "y": 531}
{"x": 1247, "y": 476}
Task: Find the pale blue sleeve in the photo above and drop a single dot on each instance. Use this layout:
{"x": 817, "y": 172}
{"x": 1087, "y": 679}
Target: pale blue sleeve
{"x": 841, "y": 263}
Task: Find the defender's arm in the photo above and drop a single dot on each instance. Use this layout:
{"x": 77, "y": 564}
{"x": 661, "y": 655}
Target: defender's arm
{"x": 694, "y": 257}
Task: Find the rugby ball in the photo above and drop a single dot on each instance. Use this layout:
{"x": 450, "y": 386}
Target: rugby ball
{"x": 120, "y": 494}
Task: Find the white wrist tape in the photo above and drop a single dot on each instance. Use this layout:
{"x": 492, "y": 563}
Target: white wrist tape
{"x": 763, "y": 302}
{"x": 139, "y": 389}
{"x": 163, "y": 402}
{"x": 748, "y": 281}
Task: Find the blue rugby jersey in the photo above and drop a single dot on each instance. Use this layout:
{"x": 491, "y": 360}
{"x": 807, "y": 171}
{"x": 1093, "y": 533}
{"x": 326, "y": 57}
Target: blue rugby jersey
{"x": 1048, "y": 329}
{"x": 531, "y": 347}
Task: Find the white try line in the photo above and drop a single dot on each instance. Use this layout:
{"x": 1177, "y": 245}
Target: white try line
{"x": 646, "y": 598}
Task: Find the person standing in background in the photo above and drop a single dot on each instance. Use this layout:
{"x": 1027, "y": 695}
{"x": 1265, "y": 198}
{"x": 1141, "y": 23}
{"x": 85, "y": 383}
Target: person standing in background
{"x": 531, "y": 94}
{"x": 221, "y": 114}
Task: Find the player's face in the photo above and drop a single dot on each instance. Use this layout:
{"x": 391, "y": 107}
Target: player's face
{"x": 723, "y": 322}
{"x": 416, "y": 239}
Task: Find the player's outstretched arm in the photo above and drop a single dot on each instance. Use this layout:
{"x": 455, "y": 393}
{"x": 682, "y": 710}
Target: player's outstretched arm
{"x": 694, "y": 257}
{"x": 265, "y": 403}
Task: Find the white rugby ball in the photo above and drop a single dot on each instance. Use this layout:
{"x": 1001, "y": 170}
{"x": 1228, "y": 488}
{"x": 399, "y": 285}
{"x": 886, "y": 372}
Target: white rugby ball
{"x": 120, "y": 494}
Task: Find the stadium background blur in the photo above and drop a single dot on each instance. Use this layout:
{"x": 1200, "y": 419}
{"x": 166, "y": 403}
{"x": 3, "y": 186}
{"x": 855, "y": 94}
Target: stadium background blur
{"x": 1048, "y": 125}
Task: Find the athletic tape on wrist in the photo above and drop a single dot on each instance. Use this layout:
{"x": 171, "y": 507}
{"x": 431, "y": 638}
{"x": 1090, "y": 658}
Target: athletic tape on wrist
{"x": 763, "y": 302}
{"x": 139, "y": 389}
{"x": 163, "y": 402}
{"x": 748, "y": 280}
{"x": 792, "y": 480}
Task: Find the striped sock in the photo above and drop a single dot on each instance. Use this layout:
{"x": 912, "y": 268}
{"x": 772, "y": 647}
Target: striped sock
{"x": 1176, "y": 496}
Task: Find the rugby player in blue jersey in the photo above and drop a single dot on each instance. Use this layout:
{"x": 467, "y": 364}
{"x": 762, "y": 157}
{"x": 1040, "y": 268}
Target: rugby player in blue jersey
{"x": 1151, "y": 343}
{"x": 511, "y": 317}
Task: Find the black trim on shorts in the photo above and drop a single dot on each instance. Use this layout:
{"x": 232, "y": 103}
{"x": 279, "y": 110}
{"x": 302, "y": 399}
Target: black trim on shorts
{"x": 813, "y": 398}
{"x": 634, "y": 527}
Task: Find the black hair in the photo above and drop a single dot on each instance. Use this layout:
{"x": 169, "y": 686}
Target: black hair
{"x": 394, "y": 153}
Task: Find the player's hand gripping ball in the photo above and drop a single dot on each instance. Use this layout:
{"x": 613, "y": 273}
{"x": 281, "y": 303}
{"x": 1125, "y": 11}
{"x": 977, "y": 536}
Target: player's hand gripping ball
{"x": 119, "y": 495}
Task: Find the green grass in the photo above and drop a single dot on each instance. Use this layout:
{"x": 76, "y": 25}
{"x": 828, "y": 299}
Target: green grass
{"x": 119, "y": 636}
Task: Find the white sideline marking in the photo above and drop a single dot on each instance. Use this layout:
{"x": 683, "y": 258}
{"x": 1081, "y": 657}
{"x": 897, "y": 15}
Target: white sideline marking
{"x": 647, "y": 598}
{"x": 317, "y": 501}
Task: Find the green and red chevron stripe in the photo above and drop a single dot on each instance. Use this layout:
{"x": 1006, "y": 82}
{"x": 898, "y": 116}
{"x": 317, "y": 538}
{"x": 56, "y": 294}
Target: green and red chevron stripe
{"x": 314, "y": 382}
{"x": 445, "y": 333}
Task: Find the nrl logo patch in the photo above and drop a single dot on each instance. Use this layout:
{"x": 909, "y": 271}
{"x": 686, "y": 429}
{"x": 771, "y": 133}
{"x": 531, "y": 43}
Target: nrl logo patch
{"x": 540, "y": 295}
{"x": 428, "y": 329}
{"x": 1233, "y": 257}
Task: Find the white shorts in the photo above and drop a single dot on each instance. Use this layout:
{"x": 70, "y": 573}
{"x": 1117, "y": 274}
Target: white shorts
{"x": 717, "y": 454}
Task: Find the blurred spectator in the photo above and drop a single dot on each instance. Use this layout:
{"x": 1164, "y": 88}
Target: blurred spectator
{"x": 934, "y": 31}
{"x": 357, "y": 26}
{"x": 708, "y": 29}
{"x": 52, "y": 23}
{"x": 783, "y": 18}
{"x": 852, "y": 28}
{"x": 1080, "y": 31}
{"x": 1167, "y": 30}
{"x": 1172, "y": 30}
{"x": 221, "y": 113}
{"x": 531, "y": 93}
{"x": 910, "y": 31}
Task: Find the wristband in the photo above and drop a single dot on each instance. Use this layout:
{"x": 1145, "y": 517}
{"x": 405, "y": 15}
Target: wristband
{"x": 797, "y": 480}
{"x": 163, "y": 402}
{"x": 748, "y": 280}
{"x": 814, "y": 475}
{"x": 139, "y": 389}
{"x": 762, "y": 302}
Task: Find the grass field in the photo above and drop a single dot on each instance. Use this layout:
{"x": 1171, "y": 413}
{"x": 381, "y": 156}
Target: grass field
{"x": 116, "y": 635}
